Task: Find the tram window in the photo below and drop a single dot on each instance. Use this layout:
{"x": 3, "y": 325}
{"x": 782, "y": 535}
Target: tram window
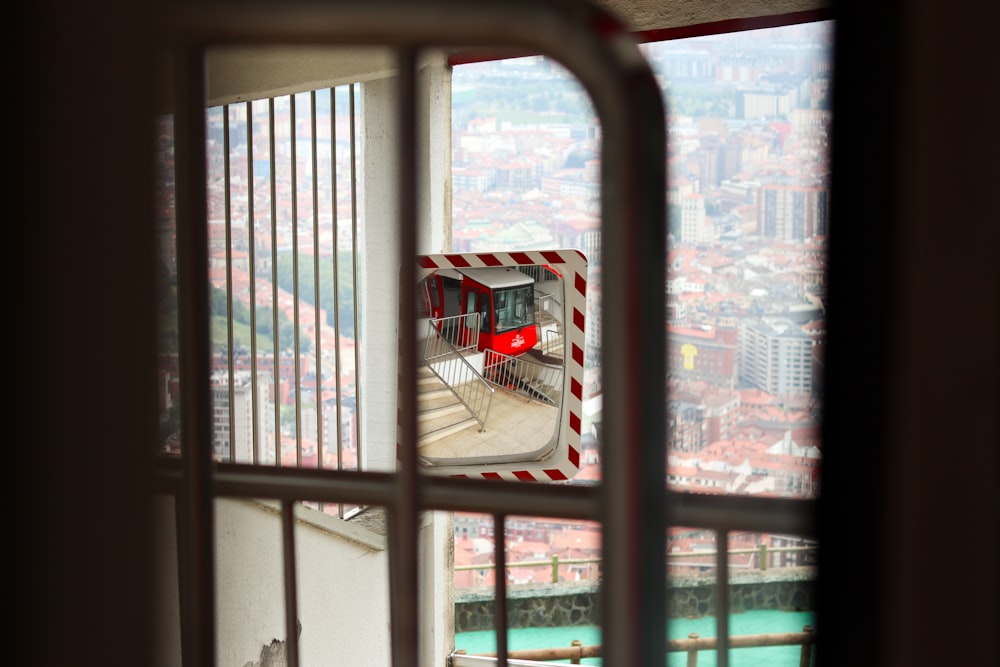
{"x": 484, "y": 314}
{"x": 470, "y": 308}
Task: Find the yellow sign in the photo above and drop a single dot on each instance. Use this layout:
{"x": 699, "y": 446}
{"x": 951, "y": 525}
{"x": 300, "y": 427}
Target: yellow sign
{"x": 689, "y": 352}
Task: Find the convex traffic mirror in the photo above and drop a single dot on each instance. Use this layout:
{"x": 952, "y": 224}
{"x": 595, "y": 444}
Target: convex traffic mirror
{"x": 500, "y": 363}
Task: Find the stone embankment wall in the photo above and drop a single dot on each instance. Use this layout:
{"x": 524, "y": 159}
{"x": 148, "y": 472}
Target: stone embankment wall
{"x": 569, "y": 604}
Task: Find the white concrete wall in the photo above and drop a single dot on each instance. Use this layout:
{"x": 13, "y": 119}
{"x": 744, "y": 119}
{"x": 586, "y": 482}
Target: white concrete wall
{"x": 343, "y": 597}
{"x": 343, "y": 573}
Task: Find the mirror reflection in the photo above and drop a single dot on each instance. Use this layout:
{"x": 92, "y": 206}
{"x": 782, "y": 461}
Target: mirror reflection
{"x": 492, "y": 370}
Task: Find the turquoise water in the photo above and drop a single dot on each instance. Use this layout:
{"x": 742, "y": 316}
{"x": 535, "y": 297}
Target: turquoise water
{"x": 748, "y": 623}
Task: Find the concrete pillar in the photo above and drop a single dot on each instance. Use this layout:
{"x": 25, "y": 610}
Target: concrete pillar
{"x": 379, "y": 266}
{"x": 378, "y": 298}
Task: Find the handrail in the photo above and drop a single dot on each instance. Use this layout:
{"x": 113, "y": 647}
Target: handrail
{"x": 460, "y": 377}
{"x": 456, "y": 331}
{"x": 534, "y": 381}
{"x": 763, "y": 551}
{"x": 692, "y": 645}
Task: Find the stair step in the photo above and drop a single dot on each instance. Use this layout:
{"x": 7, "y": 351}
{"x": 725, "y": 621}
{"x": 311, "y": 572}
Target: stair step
{"x": 434, "y": 436}
{"x": 432, "y": 395}
{"x": 429, "y": 414}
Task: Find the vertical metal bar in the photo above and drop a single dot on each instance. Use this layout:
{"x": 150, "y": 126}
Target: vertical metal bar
{"x": 229, "y": 283}
{"x": 317, "y": 324}
{"x": 403, "y": 542}
{"x": 500, "y": 586}
{"x": 291, "y": 587}
{"x": 722, "y": 598}
{"x": 198, "y": 617}
{"x": 295, "y": 280}
{"x": 633, "y": 366}
{"x": 274, "y": 285}
{"x": 358, "y": 389}
{"x": 335, "y": 222}
{"x": 252, "y": 247}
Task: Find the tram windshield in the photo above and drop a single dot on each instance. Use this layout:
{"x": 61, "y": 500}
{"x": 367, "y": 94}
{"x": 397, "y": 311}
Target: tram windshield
{"x": 512, "y": 308}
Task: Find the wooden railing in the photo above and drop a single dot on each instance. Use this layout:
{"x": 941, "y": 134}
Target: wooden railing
{"x": 762, "y": 552}
{"x": 692, "y": 646}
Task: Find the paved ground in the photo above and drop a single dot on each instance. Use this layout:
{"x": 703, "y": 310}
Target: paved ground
{"x": 515, "y": 428}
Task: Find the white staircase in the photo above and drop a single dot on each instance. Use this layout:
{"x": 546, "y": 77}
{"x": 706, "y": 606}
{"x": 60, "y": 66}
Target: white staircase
{"x": 439, "y": 412}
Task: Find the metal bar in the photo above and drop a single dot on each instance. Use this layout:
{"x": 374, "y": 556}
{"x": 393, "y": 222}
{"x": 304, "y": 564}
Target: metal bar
{"x": 274, "y": 284}
{"x": 500, "y": 586}
{"x": 198, "y": 617}
{"x": 335, "y": 222}
{"x": 358, "y": 389}
{"x": 296, "y": 335}
{"x": 722, "y": 599}
{"x": 377, "y": 488}
{"x": 579, "y": 502}
{"x": 252, "y": 256}
{"x": 291, "y": 587}
{"x": 633, "y": 242}
{"x": 750, "y": 513}
{"x": 403, "y": 511}
{"x": 229, "y": 282}
{"x": 317, "y": 323}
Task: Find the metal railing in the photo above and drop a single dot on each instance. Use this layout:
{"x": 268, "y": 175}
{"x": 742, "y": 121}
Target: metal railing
{"x": 457, "y": 375}
{"x": 763, "y": 552}
{"x": 692, "y": 645}
{"x": 552, "y": 339}
{"x": 530, "y": 379}
{"x": 462, "y": 331}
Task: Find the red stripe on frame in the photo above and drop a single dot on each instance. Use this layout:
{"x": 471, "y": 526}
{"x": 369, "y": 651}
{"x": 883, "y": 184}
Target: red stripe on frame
{"x": 577, "y": 354}
{"x": 490, "y": 260}
{"x": 524, "y": 476}
{"x": 574, "y": 456}
{"x": 578, "y": 319}
{"x": 492, "y": 475}
{"x": 457, "y": 260}
{"x": 553, "y": 257}
{"x": 581, "y": 285}
{"x": 426, "y": 263}
{"x": 521, "y": 258}
{"x": 556, "y": 475}
{"x": 576, "y": 388}
{"x": 574, "y": 422}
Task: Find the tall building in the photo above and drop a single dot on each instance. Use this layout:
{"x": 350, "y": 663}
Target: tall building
{"x": 775, "y": 355}
{"x": 793, "y": 212}
{"x": 696, "y": 227}
{"x": 237, "y": 435}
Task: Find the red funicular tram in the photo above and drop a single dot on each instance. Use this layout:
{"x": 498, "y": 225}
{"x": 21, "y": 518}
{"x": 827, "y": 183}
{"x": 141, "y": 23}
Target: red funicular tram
{"x": 503, "y": 298}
